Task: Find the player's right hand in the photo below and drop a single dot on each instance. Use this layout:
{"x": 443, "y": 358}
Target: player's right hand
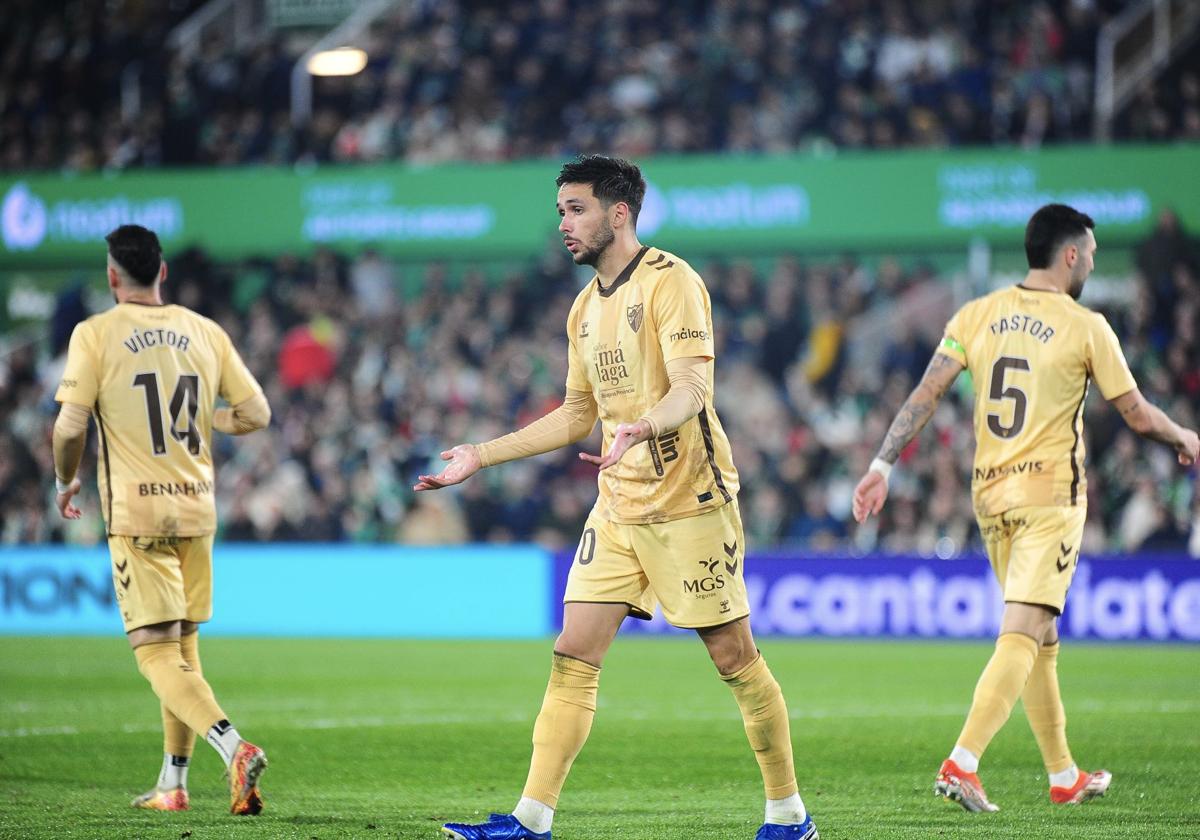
{"x": 464, "y": 463}
{"x": 1189, "y": 448}
{"x": 869, "y": 496}
{"x": 63, "y": 500}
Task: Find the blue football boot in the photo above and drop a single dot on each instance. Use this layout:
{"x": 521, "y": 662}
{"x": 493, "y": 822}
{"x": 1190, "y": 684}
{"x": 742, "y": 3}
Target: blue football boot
{"x": 806, "y": 830}
{"x": 502, "y": 827}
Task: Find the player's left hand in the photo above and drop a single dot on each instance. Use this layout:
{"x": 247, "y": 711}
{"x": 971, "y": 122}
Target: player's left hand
{"x": 625, "y": 436}
{"x": 63, "y": 500}
{"x": 869, "y": 496}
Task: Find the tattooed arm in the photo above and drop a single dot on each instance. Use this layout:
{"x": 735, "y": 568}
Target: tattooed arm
{"x": 1151, "y": 422}
{"x": 919, "y": 406}
{"x": 871, "y": 492}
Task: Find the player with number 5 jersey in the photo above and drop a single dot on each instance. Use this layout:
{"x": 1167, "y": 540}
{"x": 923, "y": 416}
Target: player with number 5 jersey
{"x": 150, "y": 375}
{"x": 1032, "y": 351}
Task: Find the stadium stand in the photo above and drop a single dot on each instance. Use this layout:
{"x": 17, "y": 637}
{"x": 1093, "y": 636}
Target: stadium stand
{"x": 370, "y": 381}
{"x": 459, "y": 80}
{"x": 384, "y": 382}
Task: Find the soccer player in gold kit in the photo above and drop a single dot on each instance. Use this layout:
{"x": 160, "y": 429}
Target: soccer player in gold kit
{"x": 666, "y": 527}
{"x": 1032, "y": 352}
{"x": 150, "y": 374}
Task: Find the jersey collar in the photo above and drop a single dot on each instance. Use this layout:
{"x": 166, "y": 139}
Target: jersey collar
{"x": 625, "y": 274}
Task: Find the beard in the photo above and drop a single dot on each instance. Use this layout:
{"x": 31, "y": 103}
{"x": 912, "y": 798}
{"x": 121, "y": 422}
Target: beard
{"x": 593, "y": 250}
{"x": 1075, "y": 289}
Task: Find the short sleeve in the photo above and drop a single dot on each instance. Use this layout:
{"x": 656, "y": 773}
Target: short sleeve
{"x": 80, "y": 383}
{"x": 1107, "y": 363}
{"x": 237, "y": 383}
{"x": 683, "y": 317}
{"x": 953, "y": 343}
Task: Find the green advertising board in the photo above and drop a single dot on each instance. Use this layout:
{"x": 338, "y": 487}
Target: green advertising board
{"x": 708, "y": 204}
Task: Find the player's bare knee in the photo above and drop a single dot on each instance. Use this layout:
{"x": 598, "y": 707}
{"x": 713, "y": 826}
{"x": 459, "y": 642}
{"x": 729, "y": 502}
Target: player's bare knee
{"x": 167, "y": 631}
{"x": 731, "y": 647}
{"x": 582, "y": 647}
{"x": 592, "y": 656}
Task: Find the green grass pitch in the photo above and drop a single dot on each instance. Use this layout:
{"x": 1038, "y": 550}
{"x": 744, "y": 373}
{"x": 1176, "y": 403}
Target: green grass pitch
{"x": 389, "y": 738}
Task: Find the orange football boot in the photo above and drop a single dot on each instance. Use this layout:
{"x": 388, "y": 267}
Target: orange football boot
{"x": 175, "y": 799}
{"x": 1087, "y": 786}
{"x": 957, "y": 785}
{"x": 247, "y": 766}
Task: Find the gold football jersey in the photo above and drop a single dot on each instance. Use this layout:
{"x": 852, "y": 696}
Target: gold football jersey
{"x": 152, "y": 375}
{"x": 620, "y": 341}
{"x": 1032, "y": 355}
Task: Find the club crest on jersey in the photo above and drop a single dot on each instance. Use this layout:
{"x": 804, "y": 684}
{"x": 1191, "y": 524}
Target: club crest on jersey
{"x": 634, "y": 315}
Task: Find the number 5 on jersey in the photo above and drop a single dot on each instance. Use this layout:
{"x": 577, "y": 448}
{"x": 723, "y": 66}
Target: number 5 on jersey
{"x": 998, "y": 392}
{"x": 186, "y": 397}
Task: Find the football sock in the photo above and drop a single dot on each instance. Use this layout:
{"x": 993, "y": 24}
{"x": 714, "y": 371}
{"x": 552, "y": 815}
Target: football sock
{"x": 224, "y": 739}
{"x": 174, "y": 772}
{"x": 787, "y": 811}
{"x": 178, "y": 737}
{"x": 997, "y": 691}
{"x": 966, "y": 760}
{"x": 561, "y": 728}
{"x": 1065, "y": 778}
{"x": 765, "y": 716}
{"x": 181, "y": 689}
{"x": 1044, "y": 708}
{"x": 534, "y": 815}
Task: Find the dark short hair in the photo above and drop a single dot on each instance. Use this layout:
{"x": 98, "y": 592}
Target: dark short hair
{"x": 1049, "y": 228}
{"x": 136, "y": 250}
{"x": 611, "y": 179}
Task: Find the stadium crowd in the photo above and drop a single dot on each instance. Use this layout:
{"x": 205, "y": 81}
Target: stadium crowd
{"x": 471, "y": 80}
{"x": 368, "y": 386}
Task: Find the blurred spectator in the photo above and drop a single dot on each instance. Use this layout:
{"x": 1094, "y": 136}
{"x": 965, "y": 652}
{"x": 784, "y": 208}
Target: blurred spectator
{"x": 467, "y": 80}
{"x": 467, "y": 359}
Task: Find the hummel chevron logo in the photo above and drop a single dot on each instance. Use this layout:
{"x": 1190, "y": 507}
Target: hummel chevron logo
{"x": 730, "y": 549}
{"x": 125, "y": 581}
{"x": 121, "y": 566}
{"x": 731, "y": 567}
{"x": 1066, "y": 551}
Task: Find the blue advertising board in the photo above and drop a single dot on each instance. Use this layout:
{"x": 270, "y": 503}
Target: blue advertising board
{"x": 301, "y": 590}
{"x": 1139, "y": 597}
{"x": 516, "y": 592}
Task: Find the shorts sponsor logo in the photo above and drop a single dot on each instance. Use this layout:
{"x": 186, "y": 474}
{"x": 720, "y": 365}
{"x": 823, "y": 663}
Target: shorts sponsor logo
{"x": 707, "y": 585}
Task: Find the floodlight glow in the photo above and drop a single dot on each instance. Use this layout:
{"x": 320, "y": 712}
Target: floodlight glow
{"x": 344, "y": 61}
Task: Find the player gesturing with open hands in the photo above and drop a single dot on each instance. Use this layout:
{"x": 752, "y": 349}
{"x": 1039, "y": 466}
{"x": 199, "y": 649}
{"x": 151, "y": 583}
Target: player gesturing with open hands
{"x": 640, "y": 360}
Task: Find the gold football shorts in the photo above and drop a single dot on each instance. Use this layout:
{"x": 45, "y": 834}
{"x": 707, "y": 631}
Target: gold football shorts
{"x": 1034, "y": 552}
{"x": 692, "y": 567}
{"x": 161, "y": 579}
